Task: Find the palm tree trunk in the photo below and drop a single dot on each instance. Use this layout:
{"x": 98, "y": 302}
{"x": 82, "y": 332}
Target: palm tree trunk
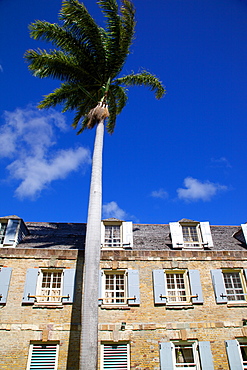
{"x": 89, "y": 332}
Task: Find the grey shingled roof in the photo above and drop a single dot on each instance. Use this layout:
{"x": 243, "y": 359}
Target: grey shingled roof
{"x": 57, "y": 235}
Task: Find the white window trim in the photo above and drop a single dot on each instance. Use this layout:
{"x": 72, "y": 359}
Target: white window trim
{"x": 115, "y": 223}
{"x": 42, "y": 343}
{"x": 38, "y": 300}
{"x": 243, "y": 283}
{"x": 242, "y": 342}
{"x": 3, "y": 235}
{"x": 116, "y": 343}
{"x": 125, "y": 298}
{"x": 191, "y": 244}
{"x": 187, "y": 288}
{"x": 194, "y": 345}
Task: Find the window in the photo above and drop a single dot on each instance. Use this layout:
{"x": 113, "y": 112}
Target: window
{"x": 119, "y": 287}
{"x": 177, "y": 287}
{"x": 112, "y": 236}
{"x": 233, "y": 285}
{"x": 188, "y": 234}
{"x": 115, "y": 356}
{"x": 49, "y": 286}
{"x": 243, "y": 351}
{"x": 115, "y": 288}
{"x": 43, "y": 356}
{"x": 186, "y": 355}
{"x": 192, "y": 236}
{"x": 116, "y": 234}
{"x": 3, "y": 228}
{"x": 229, "y": 285}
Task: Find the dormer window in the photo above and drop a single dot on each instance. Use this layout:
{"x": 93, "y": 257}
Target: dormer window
{"x": 192, "y": 235}
{"x": 116, "y": 234}
{"x": 3, "y": 228}
{"x": 189, "y": 234}
{"x": 113, "y": 236}
{"x": 12, "y": 231}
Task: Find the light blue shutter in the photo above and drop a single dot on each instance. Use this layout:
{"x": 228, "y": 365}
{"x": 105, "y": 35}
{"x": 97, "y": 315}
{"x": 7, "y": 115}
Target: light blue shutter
{"x": 44, "y": 356}
{"x": 206, "y": 234}
{"x": 133, "y": 287}
{"x": 177, "y": 235}
{"x": 101, "y": 275}
{"x": 219, "y": 286}
{"x": 5, "y": 275}
{"x": 206, "y": 356}
{"x": 30, "y": 285}
{"x": 68, "y": 285}
{"x": 166, "y": 362}
{"x": 10, "y": 236}
{"x": 127, "y": 229}
{"x": 233, "y": 353}
{"x": 115, "y": 356}
{"x": 195, "y": 285}
{"x": 159, "y": 285}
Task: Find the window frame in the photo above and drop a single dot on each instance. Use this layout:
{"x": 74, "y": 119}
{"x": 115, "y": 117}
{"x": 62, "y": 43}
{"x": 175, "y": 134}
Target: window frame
{"x": 39, "y": 287}
{"x": 102, "y": 353}
{"x": 243, "y": 285}
{"x": 2, "y": 234}
{"x": 104, "y": 290}
{"x": 110, "y": 245}
{"x": 192, "y": 244}
{"x": 193, "y": 344}
{"x": 242, "y": 342}
{"x": 30, "y": 353}
{"x": 187, "y": 289}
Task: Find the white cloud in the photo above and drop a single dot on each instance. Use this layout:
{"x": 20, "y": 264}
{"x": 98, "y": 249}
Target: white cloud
{"x": 197, "y": 190}
{"x": 161, "y": 193}
{"x": 112, "y": 209}
{"x": 28, "y": 140}
{"x": 221, "y": 162}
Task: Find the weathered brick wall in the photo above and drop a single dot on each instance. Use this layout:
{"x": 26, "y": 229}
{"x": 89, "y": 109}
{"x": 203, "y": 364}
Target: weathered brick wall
{"x": 146, "y": 325}
{"x": 19, "y": 324}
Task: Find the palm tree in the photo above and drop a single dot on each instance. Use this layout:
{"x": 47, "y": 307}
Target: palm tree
{"x": 88, "y": 60}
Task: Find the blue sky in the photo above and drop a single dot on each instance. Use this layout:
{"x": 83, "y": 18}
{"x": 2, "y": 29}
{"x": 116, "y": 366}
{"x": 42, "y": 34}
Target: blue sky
{"x": 181, "y": 157}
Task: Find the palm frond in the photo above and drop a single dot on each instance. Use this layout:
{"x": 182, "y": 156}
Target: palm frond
{"x": 77, "y": 20}
{"x": 144, "y": 78}
{"x": 56, "y": 64}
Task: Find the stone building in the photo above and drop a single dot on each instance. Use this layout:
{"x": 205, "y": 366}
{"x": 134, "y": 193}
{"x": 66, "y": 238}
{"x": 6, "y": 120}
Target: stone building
{"x": 171, "y": 296}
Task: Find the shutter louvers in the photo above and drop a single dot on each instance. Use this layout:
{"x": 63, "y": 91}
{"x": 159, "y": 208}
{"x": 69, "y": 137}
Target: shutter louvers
{"x": 127, "y": 234}
{"x": 30, "y": 285}
{"x": 115, "y": 357}
{"x": 244, "y": 229}
{"x": 133, "y": 287}
{"x": 5, "y": 275}
{"x": 44, "y": 357}
{"x": 11, "y": 233}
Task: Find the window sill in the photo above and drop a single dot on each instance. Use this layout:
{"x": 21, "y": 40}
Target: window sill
{"x": 237, "y": 304}
{"x": 114, "y": 307}
{"x": 47, "y": 305}
{"x": 179, "y": 306}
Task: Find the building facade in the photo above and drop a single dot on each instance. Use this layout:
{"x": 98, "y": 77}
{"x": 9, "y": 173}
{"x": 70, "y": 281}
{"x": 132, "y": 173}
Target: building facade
{"x": 171, "y": 296}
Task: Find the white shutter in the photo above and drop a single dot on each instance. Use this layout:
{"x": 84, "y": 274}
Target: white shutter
{"x": 177, "y": 235}
{"x": 43, "y": 356}
{"x": 115, "y": 356}
{"x": 127, "y": 229}
{"x": 244, "y": 228}
{"x": 206, "y": 234}
{"x": 102, "y": 234}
